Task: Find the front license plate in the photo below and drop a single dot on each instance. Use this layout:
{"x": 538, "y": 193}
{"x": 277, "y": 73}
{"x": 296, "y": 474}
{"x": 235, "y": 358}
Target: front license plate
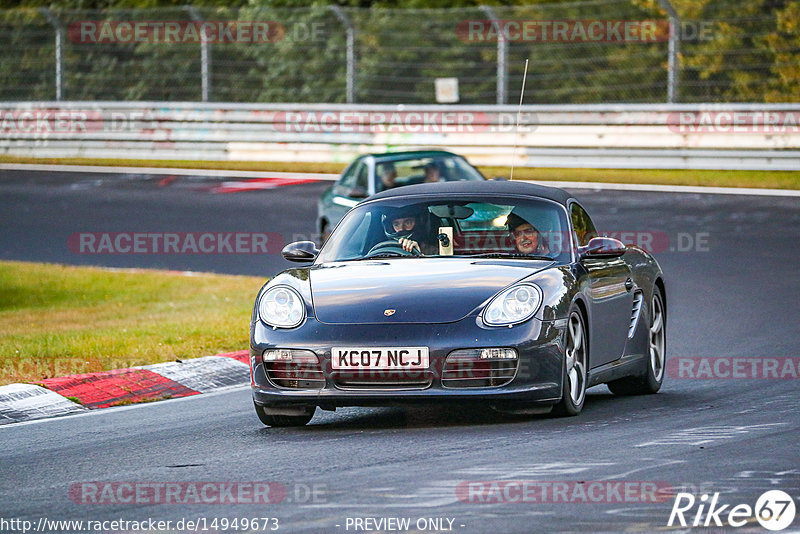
{"x": 380, "y": 358}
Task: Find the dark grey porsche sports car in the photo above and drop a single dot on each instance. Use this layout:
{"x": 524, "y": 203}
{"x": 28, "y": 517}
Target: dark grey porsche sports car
{"x": 493, "y": 292}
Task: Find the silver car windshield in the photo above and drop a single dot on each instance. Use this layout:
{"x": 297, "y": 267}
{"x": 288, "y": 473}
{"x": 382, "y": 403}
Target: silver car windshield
{"x": 508, "y": 227}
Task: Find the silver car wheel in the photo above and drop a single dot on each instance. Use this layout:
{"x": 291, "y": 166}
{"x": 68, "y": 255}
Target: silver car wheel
{"x": 576, "y": 358}
{"x": 657, "y": 335}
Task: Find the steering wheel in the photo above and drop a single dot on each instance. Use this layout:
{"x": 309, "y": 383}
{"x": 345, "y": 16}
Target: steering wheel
{"x": 394, "y": 246}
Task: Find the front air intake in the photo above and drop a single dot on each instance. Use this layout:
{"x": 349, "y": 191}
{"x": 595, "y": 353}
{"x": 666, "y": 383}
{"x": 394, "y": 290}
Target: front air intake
{"x": 479, "y": 368}
{"x": 294, "y": 369}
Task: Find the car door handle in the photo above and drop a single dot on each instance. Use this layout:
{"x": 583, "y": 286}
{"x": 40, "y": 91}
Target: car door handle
{"x": 628, "y": 284}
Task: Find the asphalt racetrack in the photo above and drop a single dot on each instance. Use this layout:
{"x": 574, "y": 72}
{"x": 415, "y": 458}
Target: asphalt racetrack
{"x": 732, "y": 290}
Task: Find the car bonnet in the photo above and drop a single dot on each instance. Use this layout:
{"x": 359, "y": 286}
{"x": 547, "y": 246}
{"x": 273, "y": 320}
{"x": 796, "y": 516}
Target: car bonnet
{"x": 410, "y": 290}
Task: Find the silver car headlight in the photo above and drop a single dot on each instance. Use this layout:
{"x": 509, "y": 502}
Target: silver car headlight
{"x": 282, "y": 306}
{"x": 514, "y": 305}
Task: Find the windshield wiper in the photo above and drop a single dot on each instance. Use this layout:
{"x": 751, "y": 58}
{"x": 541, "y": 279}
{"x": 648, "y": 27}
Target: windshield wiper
{"x": 509, "y": 255}
{"x": 384, "y": 255}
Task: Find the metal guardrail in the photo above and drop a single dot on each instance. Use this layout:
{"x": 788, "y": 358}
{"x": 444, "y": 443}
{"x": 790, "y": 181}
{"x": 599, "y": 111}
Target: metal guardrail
{"x": 687, "y": 136}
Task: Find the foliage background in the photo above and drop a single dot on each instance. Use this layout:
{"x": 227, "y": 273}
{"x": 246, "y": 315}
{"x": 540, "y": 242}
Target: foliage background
{"x": 752, "y": 53}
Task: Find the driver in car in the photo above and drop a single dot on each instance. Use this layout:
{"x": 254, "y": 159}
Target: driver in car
{"x": 405, "y": 227}
{"x": 527, "y": 239}
{"x": 388, "y": 173}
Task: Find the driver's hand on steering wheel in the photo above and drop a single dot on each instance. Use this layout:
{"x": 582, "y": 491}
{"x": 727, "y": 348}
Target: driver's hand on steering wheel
{"x": 409, "y": 245}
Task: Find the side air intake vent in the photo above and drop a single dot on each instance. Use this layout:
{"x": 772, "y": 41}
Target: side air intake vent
{"x": 638, "y": 298}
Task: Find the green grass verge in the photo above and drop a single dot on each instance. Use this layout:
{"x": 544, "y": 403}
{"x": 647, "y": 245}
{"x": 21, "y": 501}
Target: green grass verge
{"x": 762, "y": 179}
{"x": 757, "y": 179}
{"x": 57, "y": 320}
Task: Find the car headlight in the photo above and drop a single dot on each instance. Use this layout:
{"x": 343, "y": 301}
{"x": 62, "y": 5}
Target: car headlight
{"x": 514, "y": 305}
{"x": 281, "y": 306}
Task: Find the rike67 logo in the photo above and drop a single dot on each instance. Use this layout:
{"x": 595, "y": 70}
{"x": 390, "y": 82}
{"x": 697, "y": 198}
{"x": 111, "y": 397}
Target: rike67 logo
{"x": 774, "y": 510}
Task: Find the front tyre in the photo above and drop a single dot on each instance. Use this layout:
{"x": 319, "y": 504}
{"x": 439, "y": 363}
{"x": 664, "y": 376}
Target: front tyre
{"x": 576, "y": 362}
{"x": 271, "y": 419}
{"x": 653, "y": 377}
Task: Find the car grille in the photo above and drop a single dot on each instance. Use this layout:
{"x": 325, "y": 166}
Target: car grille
{"x": 384, "y": 380}
{"x": 295, "y": 375}
{"x": 470, "y": 373}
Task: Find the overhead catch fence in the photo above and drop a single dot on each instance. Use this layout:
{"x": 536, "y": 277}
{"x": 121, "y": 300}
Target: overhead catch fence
{"x": 591, "y": 51}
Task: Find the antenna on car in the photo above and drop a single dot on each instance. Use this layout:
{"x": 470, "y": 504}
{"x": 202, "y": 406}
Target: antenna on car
{"x": 519, "y": 112}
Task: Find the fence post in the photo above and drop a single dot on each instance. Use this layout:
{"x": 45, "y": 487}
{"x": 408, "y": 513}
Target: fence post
{"x": 673, "y": 69}
{"x": 502, "y": 53}
{"x": 205, "y": 55}
{"x": 55, "y": 23}
{"x": 351, "y": 51}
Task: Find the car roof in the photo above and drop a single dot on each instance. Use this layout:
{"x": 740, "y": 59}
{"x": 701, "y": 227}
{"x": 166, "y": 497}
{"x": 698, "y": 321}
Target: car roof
{"x": 488, "y": 187}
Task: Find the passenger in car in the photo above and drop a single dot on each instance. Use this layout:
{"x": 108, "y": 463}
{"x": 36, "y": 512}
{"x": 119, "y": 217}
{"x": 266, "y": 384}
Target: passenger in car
{"x": 433, "y": 172}
{"x": 527, "y": 239}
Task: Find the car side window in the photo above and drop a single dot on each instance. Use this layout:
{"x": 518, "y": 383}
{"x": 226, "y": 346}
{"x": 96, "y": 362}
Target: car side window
{"x": 362, "y": 176}
{"x": 350, "y": 175}
{"x": 582, "y": 225}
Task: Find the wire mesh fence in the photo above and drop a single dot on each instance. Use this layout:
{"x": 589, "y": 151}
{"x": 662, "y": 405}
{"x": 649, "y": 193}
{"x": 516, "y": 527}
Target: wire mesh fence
{"x": 593, "y": 51}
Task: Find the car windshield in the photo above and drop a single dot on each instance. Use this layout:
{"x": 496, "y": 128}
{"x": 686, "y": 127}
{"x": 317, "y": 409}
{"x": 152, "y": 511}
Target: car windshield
{"x": 503, "y": 227}
{"x": 393, "y": 172}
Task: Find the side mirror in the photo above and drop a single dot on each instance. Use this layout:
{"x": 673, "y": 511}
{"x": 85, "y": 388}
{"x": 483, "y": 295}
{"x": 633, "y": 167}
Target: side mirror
{"x": 300, "y": 251}
{"x": 603, "y": 247}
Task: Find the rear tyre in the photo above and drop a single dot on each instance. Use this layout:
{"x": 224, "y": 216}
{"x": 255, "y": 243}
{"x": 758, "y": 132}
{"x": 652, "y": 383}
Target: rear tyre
{"x": 270, "y": 419}
{"x": 651, "y": 381}
{"x": 576, "y": 364}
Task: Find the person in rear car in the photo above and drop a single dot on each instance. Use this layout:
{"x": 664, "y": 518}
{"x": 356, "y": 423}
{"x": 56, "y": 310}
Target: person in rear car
{"x": 388, "y": 173}
{"x": 433, "y": 172}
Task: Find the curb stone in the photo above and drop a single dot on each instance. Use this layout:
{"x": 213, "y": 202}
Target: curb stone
{"x": 104, "y": 389}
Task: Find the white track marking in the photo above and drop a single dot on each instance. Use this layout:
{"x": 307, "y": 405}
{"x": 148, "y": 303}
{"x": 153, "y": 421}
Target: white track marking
{"x": 747, "y": 191}
{"x": 707, "y": 434}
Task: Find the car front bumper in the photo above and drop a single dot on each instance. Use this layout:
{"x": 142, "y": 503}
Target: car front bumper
{"x": 537, "y": 381}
